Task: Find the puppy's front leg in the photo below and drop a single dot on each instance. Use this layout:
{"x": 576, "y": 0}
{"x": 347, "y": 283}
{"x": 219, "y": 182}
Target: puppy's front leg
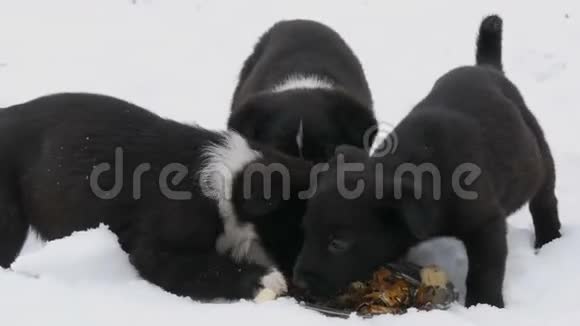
{"x": 206, "y": 275}
{"x": 487, "y": 253}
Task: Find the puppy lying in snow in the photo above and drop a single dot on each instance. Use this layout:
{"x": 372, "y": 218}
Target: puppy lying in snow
{"x": 303, "y": 91}
{"x": 172, "y": 193}
{"x": 469, "y": 155}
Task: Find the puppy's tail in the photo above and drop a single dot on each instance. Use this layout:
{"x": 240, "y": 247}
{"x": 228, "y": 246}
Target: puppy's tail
{"x": 489, "y": 42}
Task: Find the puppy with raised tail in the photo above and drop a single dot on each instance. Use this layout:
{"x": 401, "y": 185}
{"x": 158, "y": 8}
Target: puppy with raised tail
{"x": 469, "y": 155}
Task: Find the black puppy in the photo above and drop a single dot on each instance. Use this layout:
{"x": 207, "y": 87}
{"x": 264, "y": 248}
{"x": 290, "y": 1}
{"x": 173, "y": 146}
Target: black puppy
{"x": 172, "y": 193}
{"x": 469, "y": 155}
{"x": 304, "y": 92}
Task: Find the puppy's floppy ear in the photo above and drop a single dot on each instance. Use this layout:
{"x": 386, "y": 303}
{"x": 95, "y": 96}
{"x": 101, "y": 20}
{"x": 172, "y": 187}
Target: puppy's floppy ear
{"x": 420, "y": 214}
{"x": 249, "y": 118}
{"x": 420, "y": 220}
{"x": 256, "y": 194}
{"x": 357, "y": 121}
{"x": 257, "y": 205}
{"x": 270, "y": 184}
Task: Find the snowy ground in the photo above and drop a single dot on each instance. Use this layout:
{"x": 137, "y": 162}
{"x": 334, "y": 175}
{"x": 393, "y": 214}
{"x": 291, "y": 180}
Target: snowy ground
{"x": 181, "y": 58}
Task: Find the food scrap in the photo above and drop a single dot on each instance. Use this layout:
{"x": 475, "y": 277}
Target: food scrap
{"x": 393, "y": 289}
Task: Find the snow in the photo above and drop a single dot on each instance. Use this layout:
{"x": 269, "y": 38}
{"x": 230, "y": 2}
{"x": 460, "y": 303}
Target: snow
{"x": 181, "y": 59}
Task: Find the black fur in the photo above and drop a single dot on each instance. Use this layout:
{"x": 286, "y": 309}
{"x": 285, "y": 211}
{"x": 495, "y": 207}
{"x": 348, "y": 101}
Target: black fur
{"x": 472, "y": 115}
{"x": 51, "y": 145}
{"x": 330, "y": 117}
{"x": 489, "y": 42}
{"x": 277, "y": 219}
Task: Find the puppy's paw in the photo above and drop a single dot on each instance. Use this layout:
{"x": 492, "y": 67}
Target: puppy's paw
{"x": 545, "y": 238}
{"x": 272, "y": 285}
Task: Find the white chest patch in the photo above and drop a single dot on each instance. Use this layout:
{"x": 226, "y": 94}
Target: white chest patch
{"x": 222, "y": 163}
{"x": 303, "y": 82}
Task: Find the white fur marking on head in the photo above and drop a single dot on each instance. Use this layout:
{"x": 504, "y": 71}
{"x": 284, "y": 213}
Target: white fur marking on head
{"x": 222, "y": 163}
{"x": 300, "y": 138}
{"x": 303, "y": 82}
{"x": 274, "y": 284}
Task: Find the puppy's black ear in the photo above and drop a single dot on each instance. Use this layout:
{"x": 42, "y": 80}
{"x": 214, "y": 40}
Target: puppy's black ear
{"x": 418, "y": 211}
{"x": 249, "y": 119}
{"x": 258, "y": 205}
{"x": 358, "y": 123}
{"x": 420, "y": 220}
{"x": 267, "y": 185}
{"x": 255, "y": 195}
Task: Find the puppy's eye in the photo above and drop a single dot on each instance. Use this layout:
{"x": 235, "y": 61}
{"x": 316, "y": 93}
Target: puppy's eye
{"x": 337, "y": 246}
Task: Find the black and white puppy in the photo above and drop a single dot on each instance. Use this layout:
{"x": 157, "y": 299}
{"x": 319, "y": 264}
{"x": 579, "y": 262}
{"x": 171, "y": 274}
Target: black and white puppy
{"x": 469, "y": 155}
{"x": 304, "y": 92}
{"x": 171, "y": 192}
